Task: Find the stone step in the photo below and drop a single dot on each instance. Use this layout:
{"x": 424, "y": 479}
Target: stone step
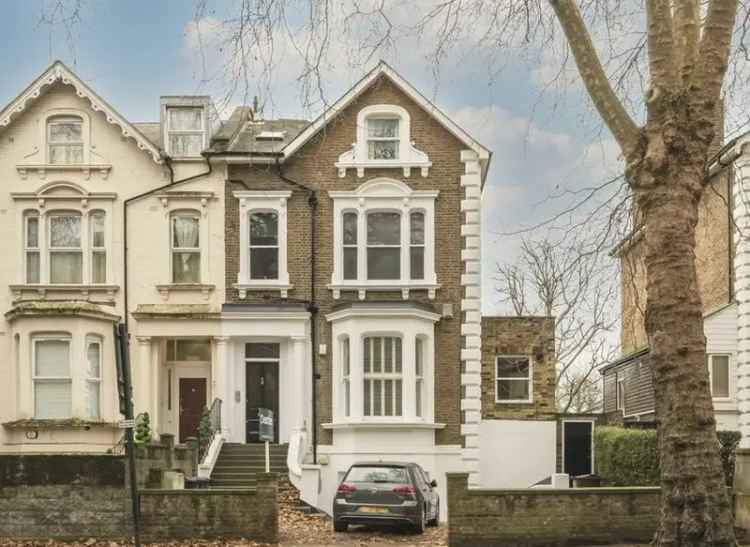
{"x": 242, "y": 470}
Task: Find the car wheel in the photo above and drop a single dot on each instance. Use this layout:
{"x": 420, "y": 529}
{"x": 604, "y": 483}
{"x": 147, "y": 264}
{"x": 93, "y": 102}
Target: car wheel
{"x": 419, "y": 526}
{"x": 339, "y": 526}
{"x": 435, "y": 521}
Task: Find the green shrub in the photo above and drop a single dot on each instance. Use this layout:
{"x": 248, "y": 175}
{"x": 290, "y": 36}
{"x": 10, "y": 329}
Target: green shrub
{"x": 627, "y": 457}
{"x": 630, "y": 457}
{"x": 142, "y": 428}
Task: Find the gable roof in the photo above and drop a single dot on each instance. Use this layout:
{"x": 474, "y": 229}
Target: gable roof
{"x": 384, "y": 69}
{"x": 58, "y": 72}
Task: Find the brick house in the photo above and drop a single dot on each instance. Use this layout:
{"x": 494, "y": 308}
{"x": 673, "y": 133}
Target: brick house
{"x": 722, "y": 278}
{"x": 328, "y": 271}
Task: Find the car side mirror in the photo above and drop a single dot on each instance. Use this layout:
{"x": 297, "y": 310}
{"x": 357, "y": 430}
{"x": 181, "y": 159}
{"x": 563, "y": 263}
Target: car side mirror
{"x": 433, "y": 483}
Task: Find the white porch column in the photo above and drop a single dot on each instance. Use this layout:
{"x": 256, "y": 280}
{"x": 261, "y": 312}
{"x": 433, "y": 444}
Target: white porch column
{"x": 155, "y": 369}
{"x": 741, "y": 214}
{"x": 221, "y": 387}
{"x": 300, "y": 375}
{"x": 140, "y": 379}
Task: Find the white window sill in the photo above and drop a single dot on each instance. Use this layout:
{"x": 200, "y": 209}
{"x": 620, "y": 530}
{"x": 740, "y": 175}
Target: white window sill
{"x": 405, "y": 166}
{"x": 84, "y": 290}
{"x": 514, "y": 401}
{"x": 41, "y": 169}
{"x": 204, "y": 288}
{"x": 362, "y": 288}
{"x": 244, "y": 288}
{"x": 382, "y": 425}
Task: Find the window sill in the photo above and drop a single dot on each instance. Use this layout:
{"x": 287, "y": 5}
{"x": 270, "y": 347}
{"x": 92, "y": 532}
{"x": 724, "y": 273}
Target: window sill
{"x": 382, "y": 425}
{"x": 41, "y": 169}
{"x": 405, "y": 166}
{"x": 68, "y": 423}
{"x": 83, "y": 289}
{"x": 515, "y": 402}
{"x": 204, "y": 288}
{"x": 244, "y": 288}
{"x": 404, "y": 288}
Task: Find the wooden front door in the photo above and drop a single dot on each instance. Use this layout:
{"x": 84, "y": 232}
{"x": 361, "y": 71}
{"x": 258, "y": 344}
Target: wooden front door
{"x": 262, "y": 389}
{"x": 192, "y": 403}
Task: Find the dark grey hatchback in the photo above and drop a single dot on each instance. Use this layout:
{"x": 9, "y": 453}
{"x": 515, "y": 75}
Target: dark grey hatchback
{"x": 386, "y": 493}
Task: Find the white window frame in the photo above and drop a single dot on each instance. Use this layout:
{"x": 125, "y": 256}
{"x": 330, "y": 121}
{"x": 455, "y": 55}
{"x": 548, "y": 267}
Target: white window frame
{"x": 83, "y": 232}
{"x": 186, "y": 213}
{"x": 529, "y": 380}
{"x": 250, "y": 245}
{"x": 382, "y": 377}
{"x": 346, "y": 371}
{"x": 383, "y": 195}
{"x": 368, "y": 246}
{"x": 419, "y": 380}
{"x": 169, "y": 131}
{"x": 52, "y": 379}
{"x": 397, "y": 138}
{"x": 730, "y": 390}
{"x": 262, "y": 201}
{"x": 95, "y": 250}
{"x": 89, "y": 341}
{"x": 620, "y": 394}
{"x": 28, "y": 249}
{"x": 85, "y": 135}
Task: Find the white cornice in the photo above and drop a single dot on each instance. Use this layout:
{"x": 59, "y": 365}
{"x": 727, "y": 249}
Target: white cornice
{"x": 59, "y": 72}
{"x": 382, "y": 311}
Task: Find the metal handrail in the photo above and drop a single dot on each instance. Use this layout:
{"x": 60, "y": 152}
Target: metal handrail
{"x": 214, "y": 427}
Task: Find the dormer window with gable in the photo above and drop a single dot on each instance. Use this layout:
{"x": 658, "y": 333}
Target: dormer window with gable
{"x": 185, "y": 131}
{"x": 383, "y": 141}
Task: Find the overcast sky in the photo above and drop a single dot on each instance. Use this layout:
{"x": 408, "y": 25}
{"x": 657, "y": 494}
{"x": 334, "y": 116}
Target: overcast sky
{"x": 133, "y": 52}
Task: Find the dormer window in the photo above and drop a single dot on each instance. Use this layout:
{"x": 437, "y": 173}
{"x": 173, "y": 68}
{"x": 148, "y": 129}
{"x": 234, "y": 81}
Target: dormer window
{"x": 382, "y": 138}
{"x": 185, "y": 131}
{"x": 65, "y": 140}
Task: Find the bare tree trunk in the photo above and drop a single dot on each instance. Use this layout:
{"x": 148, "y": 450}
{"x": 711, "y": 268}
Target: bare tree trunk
{"x": 695, "y": 507}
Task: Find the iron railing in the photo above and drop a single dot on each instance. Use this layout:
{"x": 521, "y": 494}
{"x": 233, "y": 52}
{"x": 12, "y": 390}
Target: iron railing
{"x": 209, "y": 426}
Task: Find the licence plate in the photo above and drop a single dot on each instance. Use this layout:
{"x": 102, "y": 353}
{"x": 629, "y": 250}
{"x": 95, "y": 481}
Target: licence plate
{"x": 373, "y": 510}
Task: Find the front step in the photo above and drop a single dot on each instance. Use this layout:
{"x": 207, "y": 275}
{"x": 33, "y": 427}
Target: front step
{"x": 239, "y": 464}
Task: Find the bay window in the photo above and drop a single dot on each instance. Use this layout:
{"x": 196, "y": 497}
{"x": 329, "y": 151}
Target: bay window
{"x": 98, "y": 248}
{"x": 514, "y": 380}
{"x": 52, "y": 378}
{"x": 419, "y": 374}
{"x": 264, "y": 245}
{"x": 65, "y": 249}
{"x": 383, "y": 376}
{"x": 346, "y": 375}
{"x": 93, "y": 377}
{"x": 186, "y": 252}
{"x": 65, "y": 140}
{"x": 31, "y": 247}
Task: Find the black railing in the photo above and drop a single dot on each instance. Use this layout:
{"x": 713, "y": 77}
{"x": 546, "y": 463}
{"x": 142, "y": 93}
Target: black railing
{"x": 209, "y": 426}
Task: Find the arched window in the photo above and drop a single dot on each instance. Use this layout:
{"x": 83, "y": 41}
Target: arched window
{"x": 264, "y": 245}
{"x": 65, "y": 248}
{"x": 65, "y": 140}
{"x": 186, "y": 252}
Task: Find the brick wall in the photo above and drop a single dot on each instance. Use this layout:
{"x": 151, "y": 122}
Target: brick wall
{"x": 212, "y": 513}
{"x": 69, "y": 497}
{"x": 534, "y": 336}
{"x": 713, "y": 258}
{"x": 579, "y": 516}
{"x": 313, "y": 166}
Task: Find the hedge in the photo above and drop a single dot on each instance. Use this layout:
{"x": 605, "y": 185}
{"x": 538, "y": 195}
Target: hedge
{"x": 630, "y": 457}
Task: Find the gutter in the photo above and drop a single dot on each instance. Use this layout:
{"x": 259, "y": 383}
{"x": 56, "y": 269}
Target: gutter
{"x": 172, "y": 182}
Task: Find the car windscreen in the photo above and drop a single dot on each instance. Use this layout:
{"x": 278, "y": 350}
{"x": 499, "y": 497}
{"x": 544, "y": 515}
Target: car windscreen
{"x": 378, "y": 473}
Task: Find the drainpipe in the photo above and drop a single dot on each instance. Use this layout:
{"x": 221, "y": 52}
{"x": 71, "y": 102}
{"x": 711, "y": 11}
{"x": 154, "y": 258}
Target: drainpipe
{"x": 172, "y": 182}
{"x": 312, "y": 307}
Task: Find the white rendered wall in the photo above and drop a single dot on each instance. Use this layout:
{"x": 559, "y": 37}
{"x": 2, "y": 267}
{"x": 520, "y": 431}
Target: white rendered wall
{"x": 721, "y": 338}
{"x": 741, "y": 214}
{"x": 517, "y": 453}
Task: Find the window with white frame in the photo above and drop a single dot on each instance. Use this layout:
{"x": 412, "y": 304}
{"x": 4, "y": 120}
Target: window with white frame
{"x": 185, "y": 131}
{"x": 384, "y": 238}
{"x": 263, "y": 251}
{"x": 513, "y": 376}
{"x": 32, "y": 253}
{"x": 383, "y": 376}
{"x": 718, "y": 371}
{"x": 65, "y": 248}
{"x": 93, "y": 377}
{"x": 186, "y": 251}
{"x": 418, "y": 374}
{"x": 346, "y": 372}
{"x": 65, "y": 140}
{"x": 98, "y": 247}
{"x": 52, "y": 378}
{"x": 620, "y": 394}
{"x": 383, "y": 137}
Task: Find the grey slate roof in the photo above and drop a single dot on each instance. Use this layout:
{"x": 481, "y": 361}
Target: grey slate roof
{"x": 152, "y": 131}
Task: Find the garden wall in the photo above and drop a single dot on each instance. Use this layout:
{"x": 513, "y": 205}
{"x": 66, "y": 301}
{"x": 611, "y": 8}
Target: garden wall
{"x": 540, "y": 516}
{"x": 69, "y": 497}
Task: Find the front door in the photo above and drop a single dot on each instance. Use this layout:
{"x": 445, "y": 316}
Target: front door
{"x": 577, "y": 438}
{"x": 192, "y": 403}
{"x": 262, "y": 389}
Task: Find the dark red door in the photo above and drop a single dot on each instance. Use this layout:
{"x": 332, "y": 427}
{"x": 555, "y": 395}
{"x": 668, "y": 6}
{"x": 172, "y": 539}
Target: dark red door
{"x": 192, "y": 403}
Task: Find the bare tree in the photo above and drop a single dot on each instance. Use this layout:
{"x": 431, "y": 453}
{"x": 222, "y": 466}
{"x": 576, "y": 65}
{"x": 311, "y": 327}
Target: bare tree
{"x": 578, "y": 289}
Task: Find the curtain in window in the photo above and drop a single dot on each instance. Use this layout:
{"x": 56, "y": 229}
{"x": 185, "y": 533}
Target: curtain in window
{"x": 93, "y": 377}
{"x": 66, "y": 260}
{"x": 98, "y": 251}
{"x": 65, "y": 140}
{"x": 52, "y": 388}
{"x": 185, "y": 119}
{"x": 185, "y": 264}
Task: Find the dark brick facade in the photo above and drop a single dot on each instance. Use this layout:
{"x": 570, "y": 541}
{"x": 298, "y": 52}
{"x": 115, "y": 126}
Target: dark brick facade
{"x": 578, "y": 516}
{"x": 534, "y": 336}
{"x": 313, "y": 166}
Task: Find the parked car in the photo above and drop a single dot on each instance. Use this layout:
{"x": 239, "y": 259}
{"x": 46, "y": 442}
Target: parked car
{"x": 386, "y": 493}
